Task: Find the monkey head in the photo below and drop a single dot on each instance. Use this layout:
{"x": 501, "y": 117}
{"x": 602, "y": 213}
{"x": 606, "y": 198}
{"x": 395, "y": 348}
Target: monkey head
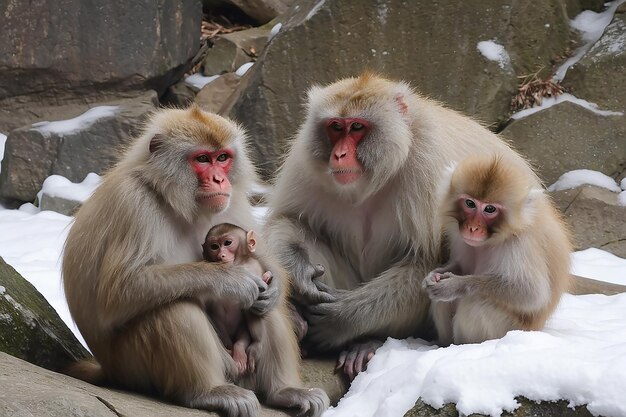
{"x": 195, "y": 160}
{"x": 357, "y": 133}
{"x": 228, "y": 243}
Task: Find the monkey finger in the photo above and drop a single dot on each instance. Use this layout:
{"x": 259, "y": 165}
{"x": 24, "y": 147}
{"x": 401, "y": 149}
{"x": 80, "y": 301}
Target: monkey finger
{"x": 349, "y": 367}
{"x": 341, "y": 360}
{"x": 318, "y": 271}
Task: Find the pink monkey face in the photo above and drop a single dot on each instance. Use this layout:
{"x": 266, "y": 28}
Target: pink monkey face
{"x": 478, "y": 218}
{"x": 222, "y": 248}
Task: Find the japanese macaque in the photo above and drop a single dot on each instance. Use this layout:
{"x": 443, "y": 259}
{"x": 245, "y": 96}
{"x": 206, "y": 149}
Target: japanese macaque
{"x": 133, "y": 274}
{"x": 241, "y": 333}
{"x": 357, "y": 194}
{"x": 509, "y": 254}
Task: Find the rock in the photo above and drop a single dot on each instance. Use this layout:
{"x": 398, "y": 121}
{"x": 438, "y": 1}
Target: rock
{"x": 30, "y": 329}
{"x": 32, "y": 155}
{"x": 59, "y": 204}
{"x": 72, "y": 48}
{"x": 180, "y": 95}
{"x": 527, "y": 408}
{"x": 213, "y": 95}
{"x": 260, "y": 10}
{"x": 566, "y": 137}
{"x": 595, "y": 77}
{"x": 232, "y": 50}
{"x": 28, "y": 390}
{"x": 432, "y": 46}
{"x": 595, "y": 218}
{"x": 321, "y": 373}
{"x": 575, "y": 7}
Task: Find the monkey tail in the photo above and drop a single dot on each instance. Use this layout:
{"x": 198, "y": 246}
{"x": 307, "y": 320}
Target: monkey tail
{"x": 87, "y": 370}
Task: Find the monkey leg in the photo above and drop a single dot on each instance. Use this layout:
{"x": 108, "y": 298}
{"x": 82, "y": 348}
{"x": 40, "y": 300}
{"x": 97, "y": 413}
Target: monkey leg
{"x": 476, "y": 321}
{"x": 443, "y": 313}
{"x": 176, "y": 351}
{"x": 277, "y": 377}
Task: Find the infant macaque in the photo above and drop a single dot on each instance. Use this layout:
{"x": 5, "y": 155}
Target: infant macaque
{"x": 240, "y": 332}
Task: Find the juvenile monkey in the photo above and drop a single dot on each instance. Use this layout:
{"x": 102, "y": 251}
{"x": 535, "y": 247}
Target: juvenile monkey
{"x": 240, "y": 332}
{"x": 509, "y": 253}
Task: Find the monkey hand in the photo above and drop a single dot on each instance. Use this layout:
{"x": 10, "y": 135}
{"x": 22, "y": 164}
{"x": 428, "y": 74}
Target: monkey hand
{"x": 445, "y": 286}
{"x": 308, "y": 289}
{"x": 355, "y": 359}
{"x": 267, "y": 299}
{"x": 332, "y": 324}
{"x": 250, "y": 288}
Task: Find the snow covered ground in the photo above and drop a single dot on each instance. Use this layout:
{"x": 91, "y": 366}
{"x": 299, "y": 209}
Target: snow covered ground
{"x": 580, "y": 356}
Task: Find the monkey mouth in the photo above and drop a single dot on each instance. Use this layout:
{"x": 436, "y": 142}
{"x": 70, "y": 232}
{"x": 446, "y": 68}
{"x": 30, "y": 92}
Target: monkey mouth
{"x": 213, "y": 199}
{"x": 346, "y": 176}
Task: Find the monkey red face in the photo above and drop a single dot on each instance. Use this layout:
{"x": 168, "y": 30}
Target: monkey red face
{"x": 345, "y": 135}
{"x": 211, "y": 169}
{"x": 477, "y": 219}
{"x": 221, "y": 248}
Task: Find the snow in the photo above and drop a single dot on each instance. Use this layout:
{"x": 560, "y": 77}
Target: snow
{"x": 551, "y": 101}
{"x": 3, "y": 141}
{"x": 315, "y": 9}
{"x": 243, "y": 69}
{"x": 591, "y": 26}
{"x": 58, "y": 186}
{"x": 494, "y": 52}
{"x": 621, "y": 198}
{"x": 580, "y": 356}
{"x": 198, "y": 80}
{"x": 67, "y": 127}
{"x": 275, "y": 29}
{"x": 576, "y": 178}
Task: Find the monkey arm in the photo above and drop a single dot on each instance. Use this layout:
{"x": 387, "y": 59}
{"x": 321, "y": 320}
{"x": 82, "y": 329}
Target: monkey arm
{"x": 392, "y": 304}
{"x": 151, "y": 286}
{"x": 523, "y": 293}
{"x": 289, "y": 245}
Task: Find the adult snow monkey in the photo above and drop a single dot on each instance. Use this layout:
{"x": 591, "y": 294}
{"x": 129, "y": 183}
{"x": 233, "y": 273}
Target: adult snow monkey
{"x": 136, "y": 283}
{"x": 357, "y": 198}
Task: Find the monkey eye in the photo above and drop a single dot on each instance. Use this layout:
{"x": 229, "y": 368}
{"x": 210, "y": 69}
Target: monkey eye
{"x": 222, "y": 157}
{"x": 228, "y": 242}
{"x": 203, "y": 158}
{"x": 490, "y": 209}
{"x": 214, "y": 246}
{"x": 336, "y": 126}
{"x": 470, "y": 203}
{"x": 356, "y": 126}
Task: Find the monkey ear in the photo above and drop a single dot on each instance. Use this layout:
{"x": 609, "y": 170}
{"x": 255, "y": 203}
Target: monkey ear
{"x": 530, "y": 207}
{"x": 251, "y": 239}
{"x": 156, "y": 142}
{"x": 402, "y": 106}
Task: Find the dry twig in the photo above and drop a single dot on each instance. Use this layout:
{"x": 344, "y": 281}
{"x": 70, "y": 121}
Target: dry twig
{"x": 533, "y": 90}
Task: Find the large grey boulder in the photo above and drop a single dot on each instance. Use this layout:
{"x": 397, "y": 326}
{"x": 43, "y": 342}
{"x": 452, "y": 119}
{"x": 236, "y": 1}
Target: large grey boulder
{"x": 30, "y": 328}
{"x": 213, "y": 95}
{"x": 566, "y": 137}
{"x": 232, "y": 50}
{"x": 33, "y": 153}
{"x": 599, "y": 76}
{"x": 595, "y": 218}
{"x": 27, "y": 390}
{"x": 433, "y": 46}
{"x": 260, "y": 10}
{"x": 55, "y": 51}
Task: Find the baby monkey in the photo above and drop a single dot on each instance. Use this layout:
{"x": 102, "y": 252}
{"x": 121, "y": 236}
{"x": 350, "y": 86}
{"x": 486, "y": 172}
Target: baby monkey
{"x": 240, "y": 332}
{"x": 509, "y": 253}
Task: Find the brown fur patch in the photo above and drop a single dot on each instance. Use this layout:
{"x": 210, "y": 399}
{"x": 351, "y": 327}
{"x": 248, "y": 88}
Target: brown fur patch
{"x": 209, "y": 128}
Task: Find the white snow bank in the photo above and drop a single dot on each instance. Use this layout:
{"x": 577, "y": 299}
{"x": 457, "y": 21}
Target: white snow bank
{"x": 551, "y": 101}
{"x": 244, "y": 68}
{"x": 573, "y": 179}
{"x": 3, "y": 141}
{"x": 494, "y": 52}
{"x": 198, "y": 80}
{"x": 598, "y": 264}
{"x": 66, "y": 127}
{"x": 591, "y": 26}
{"x": 275, "y": 29}
{"x": 58, "y": 186}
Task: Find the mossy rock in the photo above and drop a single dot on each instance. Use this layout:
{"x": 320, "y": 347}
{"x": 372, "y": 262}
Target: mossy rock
{"x": 30, "y": 328}
{"x": 527, "y": 408}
